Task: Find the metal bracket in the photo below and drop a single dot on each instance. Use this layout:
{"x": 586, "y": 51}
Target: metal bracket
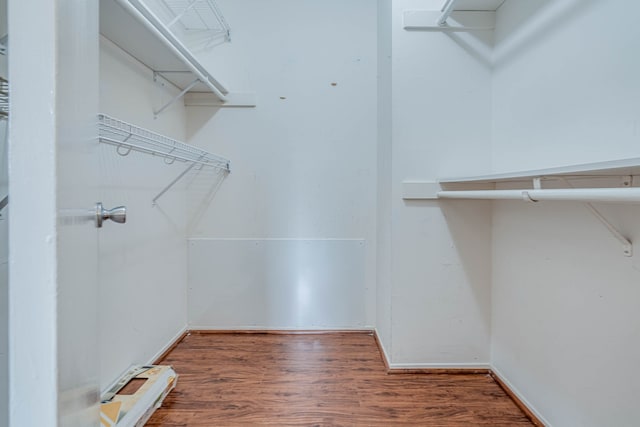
{"x": 627, "y": 245}
{"x": 3, "y": 203}
{"x": 172, "y": 183}
{"x": 177, "y": 97}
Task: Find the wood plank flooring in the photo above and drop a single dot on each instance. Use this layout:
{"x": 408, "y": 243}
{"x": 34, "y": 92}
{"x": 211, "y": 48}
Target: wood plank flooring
{"x": 318, "y": 379}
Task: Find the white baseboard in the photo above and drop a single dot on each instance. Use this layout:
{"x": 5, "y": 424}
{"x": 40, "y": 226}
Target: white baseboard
{"x": 425, "y": 366}
{"x": 486, "y": 366}
{"x": 167, "y": 346}
{"x": 274, "y": 329}
{"x": 520, "y": 396}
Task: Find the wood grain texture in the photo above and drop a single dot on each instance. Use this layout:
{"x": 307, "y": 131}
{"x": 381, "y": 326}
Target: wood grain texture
{"x": 319, "y": 379}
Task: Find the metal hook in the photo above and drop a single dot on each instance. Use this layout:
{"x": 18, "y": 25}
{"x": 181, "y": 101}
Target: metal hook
{"x": 123, "y": 154}
{"x": 166, "y": 156}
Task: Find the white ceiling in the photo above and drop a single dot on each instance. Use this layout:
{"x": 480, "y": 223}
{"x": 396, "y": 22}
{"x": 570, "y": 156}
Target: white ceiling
{"x": 478, "y": 4}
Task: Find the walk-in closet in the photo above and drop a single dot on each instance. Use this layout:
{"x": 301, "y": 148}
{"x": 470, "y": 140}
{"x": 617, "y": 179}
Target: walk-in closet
{"x": 319, "y": 212}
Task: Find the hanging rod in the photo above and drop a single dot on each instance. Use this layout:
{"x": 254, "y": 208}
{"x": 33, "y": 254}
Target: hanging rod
{"x": 127, "y": 137}
{"x": 611, "y": 195}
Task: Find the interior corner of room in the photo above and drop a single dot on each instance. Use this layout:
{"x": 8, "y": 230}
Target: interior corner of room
{"x": 459, "y": 177}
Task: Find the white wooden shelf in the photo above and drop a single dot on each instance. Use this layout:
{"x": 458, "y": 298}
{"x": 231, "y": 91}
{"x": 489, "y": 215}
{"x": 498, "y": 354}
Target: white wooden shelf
{"x": 483, "y": 187}
{"x": 623, "y": 167}
{"x": 454, "y": 15}
{"x": 428, "y": 190}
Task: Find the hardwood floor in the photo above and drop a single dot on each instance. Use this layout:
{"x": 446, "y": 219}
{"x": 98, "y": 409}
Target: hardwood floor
{"x": 329, "y": 380}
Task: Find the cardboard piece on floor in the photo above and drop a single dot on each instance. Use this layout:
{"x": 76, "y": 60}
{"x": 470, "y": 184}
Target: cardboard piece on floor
{"x": 134, "y": 410}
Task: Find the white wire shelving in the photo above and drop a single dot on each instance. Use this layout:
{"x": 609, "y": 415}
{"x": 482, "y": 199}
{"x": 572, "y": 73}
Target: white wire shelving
{"x": 127, "y": 137}
{"x": 4, "y": 99}
{"x": 164, "y": 35}
{"x": 203, "y": 16}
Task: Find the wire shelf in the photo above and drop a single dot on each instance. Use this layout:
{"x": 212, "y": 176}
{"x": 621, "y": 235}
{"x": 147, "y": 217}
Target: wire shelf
{"x": 127, "y": 137}
{"x": 197, "y": 15}
{"x": 4, "y": 98}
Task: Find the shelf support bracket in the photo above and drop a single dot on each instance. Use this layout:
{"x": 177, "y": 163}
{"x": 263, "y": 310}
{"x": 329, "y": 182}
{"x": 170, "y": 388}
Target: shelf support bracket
{"x": 177, "y": 97}
{"x": 627, "y": 246}
{"x": 3, "y": 203}
{"x": 172, "y": 183}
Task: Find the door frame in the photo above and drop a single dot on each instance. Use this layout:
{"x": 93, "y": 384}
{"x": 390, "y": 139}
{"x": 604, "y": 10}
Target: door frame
{"x": 48, "y": 45}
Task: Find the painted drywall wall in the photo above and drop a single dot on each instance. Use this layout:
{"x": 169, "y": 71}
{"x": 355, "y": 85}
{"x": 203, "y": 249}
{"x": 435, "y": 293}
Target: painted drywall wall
{"x": 579, "y": 103}
{"x": 304, "y": 160}
{"x": 76, "y": 157}
{"x": 565, "y": 319}
{"x": 52, "y": 296}
{"x": 383, "y": 248}
{"x": 441, "y": 251}
{"x": 142, "y": 268}
{"x": 4, "y": 279}
{"x": 306, "y": 284}
{"x": 4, "y": 243}
{"x": 31, "y": 185}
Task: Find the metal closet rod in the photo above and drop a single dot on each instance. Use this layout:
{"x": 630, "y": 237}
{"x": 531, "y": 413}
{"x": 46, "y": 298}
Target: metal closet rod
{"x": 611, "y": 195}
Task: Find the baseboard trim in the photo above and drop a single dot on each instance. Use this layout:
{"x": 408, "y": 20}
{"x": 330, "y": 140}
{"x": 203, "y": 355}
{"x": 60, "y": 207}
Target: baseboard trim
{"x": 443, "y": 370}
{"x": 518, "y": 399}
{"x": 205, "y": 331}
{"x": 428, "y": 368}
{"x": 160, "y": 355}
{"x": 453, "y": 369}
{"x": 381, "y": 349}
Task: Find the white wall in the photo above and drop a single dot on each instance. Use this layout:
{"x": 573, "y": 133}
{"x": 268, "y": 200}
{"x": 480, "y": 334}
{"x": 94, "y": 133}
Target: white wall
{"x": 565, "y": 95}
{"x": 304, "y": 160}
{"x": 32, "y": 182}
{"x": 383, "y": 249}
{"x": 52, "y": 314}
{"x": 4, "y": 245}
{"x": 565, "y": 318}
{"x": 4, "y": 279}
{"x": 441, "y": 126}
{"x": 142, "y": 269}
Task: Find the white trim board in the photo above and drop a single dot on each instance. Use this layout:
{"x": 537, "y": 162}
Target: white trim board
{"x": 520, "y": 396}
{"x": 173, "y": 341}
